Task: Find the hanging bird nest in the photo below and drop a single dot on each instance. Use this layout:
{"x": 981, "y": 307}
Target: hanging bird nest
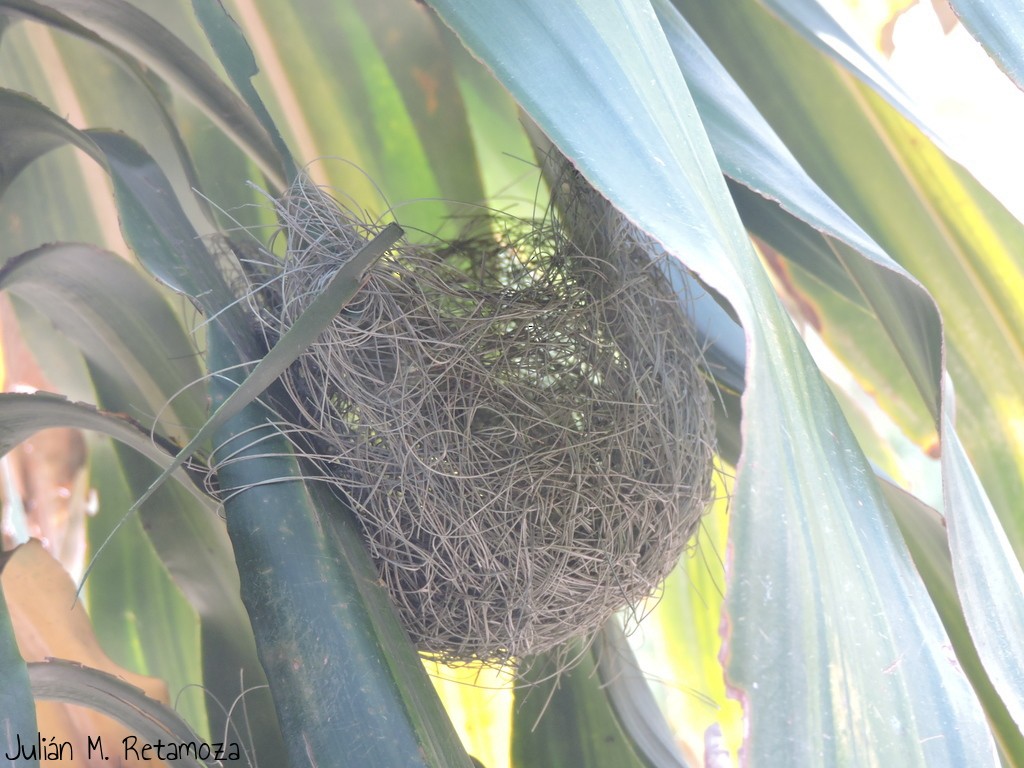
{"x": 517, "y": 419}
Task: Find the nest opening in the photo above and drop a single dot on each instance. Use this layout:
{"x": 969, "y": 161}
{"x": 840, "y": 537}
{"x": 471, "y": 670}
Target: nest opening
{"x": 517, "y": 418}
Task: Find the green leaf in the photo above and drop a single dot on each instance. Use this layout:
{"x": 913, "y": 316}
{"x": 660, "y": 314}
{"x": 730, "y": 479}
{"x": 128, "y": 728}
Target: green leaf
{"x": 825, "y": 297}
{"x": 964, "y": 246}
{"x": 147, "y": 719}
{"x": 134, "y": 36}
{"x": 194, "y": 549}
{"x": 234, "y": 53}
{"x": 383, "y": 140}
{"x": 348, "y": 685}
{"x": 989, "y": 577}
{"x": 630, "y": 697}
{"x": 751, "y": 153}
{"x": 118, "y": 319}
{"x": 563, "y": 719}
{"x": 144, "y": 621}
{"x": 996, "y": 25}
{"x": 166, "y": 244}
{"x": 821, "y": 27}
{"x": 184, "y": 532}
{"x": 925, "y": 211}
{"x": 152, "y": 219}
{"x": 17, "y": 707}
{"x": 600, "y": 80}
{"x": 925, "y": 532}
{"x": 408, "y": 40}
{"x": 21, "y": 138}
{"x": 21, "y": 416}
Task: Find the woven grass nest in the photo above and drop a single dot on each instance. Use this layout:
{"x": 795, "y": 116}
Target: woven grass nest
{"x": 517, "y": 418}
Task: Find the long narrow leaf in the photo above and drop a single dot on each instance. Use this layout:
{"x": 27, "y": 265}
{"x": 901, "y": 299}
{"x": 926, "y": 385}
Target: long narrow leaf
{"x": 133, "y": 35}
{"x": 996, "y": 25}
{"x": 936, "y": 219}
{"x": 149, "y": 721}
{"x": 925, "y": 532}
{"x": 347, "y": 683}
{"x": 22, "y": 415}
{"x": 751, "y": 153}
{"x": 988, "y": 575}
{"x": 17, "y": 707}
{"x": 234, "y": 53}
{"x": 563, "y": 719}
{"x": 117, "y": 317}
{"x": 600, "y": 79}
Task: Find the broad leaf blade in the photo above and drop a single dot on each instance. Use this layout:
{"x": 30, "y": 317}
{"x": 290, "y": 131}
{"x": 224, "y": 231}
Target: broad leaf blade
{"x": 925, "y": 212}
{"x": 925, "y": 532}
{"x": 600, "y": 80}
{"x": 940, "y": 222}
{"x": 152, "y": 219}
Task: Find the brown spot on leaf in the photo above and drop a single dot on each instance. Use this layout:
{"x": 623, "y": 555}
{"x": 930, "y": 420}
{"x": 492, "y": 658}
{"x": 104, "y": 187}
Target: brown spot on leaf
{"x": 429, "y": 85}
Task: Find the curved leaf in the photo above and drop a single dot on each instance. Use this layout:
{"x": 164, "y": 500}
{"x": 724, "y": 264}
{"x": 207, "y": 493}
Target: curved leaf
{"x": 938, "y": 221}
{"x": 21, "y": 138}
{"x": 820, "y": 26}
{"x": 925, "y": 532}
{"x": 187, "y": 536}
{"x": 133, "y": 35}
{"x": 600, "y": 79}
{"x": 21, "y": 416}
{"x": 996, "y": 24}
{"x": 162, "y": 238}
{"x": 630, "y": 697}
{"x": 116, "y": 317}
{"x": 148, "y": 720}
{"x": 152, "y": 219}
{"x": 750, "y": 152}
